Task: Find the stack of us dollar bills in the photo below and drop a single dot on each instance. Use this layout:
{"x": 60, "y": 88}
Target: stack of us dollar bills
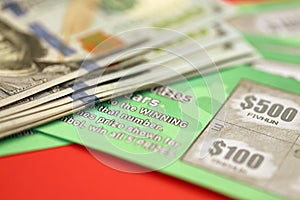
{"x": 170, "y": 85}
{"x": 59, "y": 57}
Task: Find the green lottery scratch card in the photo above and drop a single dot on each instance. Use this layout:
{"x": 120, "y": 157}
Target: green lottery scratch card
{"x": 258, "y": 139}
{"x": 239, "y": 140}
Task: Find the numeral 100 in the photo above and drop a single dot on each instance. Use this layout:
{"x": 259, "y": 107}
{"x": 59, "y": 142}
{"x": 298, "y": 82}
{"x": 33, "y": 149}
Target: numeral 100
{"x": 242, "y": 155}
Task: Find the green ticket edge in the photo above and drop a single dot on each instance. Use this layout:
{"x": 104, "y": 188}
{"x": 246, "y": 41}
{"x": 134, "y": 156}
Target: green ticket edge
{"x": 279, "y": 56}
{"x": 28, "y": 143}
{"x": 195, "y": 175}
{"x": 258, "y": 39}
{"x": 274, "y": 53}
{"x": 250, "y": 8}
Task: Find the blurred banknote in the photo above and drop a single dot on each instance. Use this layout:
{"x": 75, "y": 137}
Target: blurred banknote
{"x": 72, "y": 29}
{"x": 41, "y": 67}
{"x": 209, "y": 35}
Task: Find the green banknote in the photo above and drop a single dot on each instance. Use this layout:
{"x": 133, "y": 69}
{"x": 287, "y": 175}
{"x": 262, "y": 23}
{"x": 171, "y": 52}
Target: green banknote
{"x": 235, "y": 132}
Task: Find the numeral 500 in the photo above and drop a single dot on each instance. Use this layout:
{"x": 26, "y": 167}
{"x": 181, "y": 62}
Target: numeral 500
{"x": 274, "y": 110}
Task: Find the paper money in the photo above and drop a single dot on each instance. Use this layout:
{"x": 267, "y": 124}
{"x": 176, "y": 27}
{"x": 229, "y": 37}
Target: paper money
{"x": 67, "y": 37}
{"x": 32, "y": 76}
{"x": 213, "y": 35}
{"x": 20, "y": 16}
{"x": 105, "y": 92}
{"x": 115, "y": 92}
{"x": 40, "y": 85}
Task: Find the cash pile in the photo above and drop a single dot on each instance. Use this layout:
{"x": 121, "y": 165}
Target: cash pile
{"x": 58, "y": 57}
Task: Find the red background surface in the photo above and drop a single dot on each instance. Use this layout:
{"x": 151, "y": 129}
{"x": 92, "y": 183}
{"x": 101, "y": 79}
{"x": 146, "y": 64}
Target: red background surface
{"x": 70, "y": 172}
